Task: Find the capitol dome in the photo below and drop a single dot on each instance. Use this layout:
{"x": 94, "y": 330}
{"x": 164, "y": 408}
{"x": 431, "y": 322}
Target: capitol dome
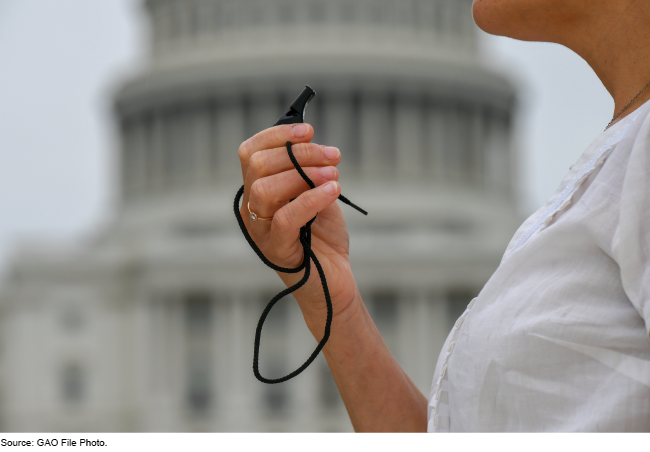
{"x": 399, "y": 90}
{"x": 172, "y": 290}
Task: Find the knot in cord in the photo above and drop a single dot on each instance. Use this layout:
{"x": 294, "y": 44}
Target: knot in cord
{"x": 308, "y": 257}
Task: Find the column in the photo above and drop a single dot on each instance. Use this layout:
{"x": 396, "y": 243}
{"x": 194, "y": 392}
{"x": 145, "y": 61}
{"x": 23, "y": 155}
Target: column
{"x": 426, "y": 16}
{"x": 155, "y": 323}
{"x": 235, "y": 391}
{"x": 318, "y": 11}
{"x": 445, "y": 21}
{"x": 138, "y": 168}
{"x": 433, "y": 329}
{"x": 275, "y": 359}
{"x": 453, "y": 147}
{"x": 169, "y": 138}
{"x": 180, "y": 157}
{"x": 162, "y": 366}
{"x": 158, "y": 13}
{"x": 199, "y": 320}
{"x": 203, "y": 19}
{"x": 138, "y": 342}
{"x": 304, "y": 402}
{"x": 437, "y": 23}
{"x": 201, "y": 123}
{"x": 511, "y": 182}
{"x": 126, "y": 158}
{"x": 408, "y": 346}
{"x": 184, "y": 19}
{"x": 229, "y": 13}
{"x": 264, "y": 110}
{"x": 409, "y": 134}
{"x": 477, "y": 136}
{"x": 435, "y": 142}
{"x": 313, "y": 116}
{"x": 219, "y": 371}
{"x": 454, "y": 21}
{"x": 404, "y": 15}
{"x": 468, "y": 27}
{"x": 216, "y": 17}
{"x": 176, "y": 362}
{"x": 229, "y": 123}
{"x": 496, "y": 153}
{"x": 157, "y": 152}
{"x": 340, "y": 124}
{"x": 245, "y": 410}
{"x": 376, "y": 133}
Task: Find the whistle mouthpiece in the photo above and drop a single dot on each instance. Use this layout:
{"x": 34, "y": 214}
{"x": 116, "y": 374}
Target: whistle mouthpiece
{"x": 296, "y": 113}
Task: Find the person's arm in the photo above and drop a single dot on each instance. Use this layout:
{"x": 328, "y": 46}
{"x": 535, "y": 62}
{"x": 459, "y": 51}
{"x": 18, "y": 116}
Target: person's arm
{"x": 378, "y": 394}
{"x": 376, "y": 391}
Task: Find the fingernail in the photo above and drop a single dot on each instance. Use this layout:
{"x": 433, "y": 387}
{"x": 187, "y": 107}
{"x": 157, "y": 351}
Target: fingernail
{"x": 330, "y": 188}
{"x": 328, "y": 172}
{"x": 300, "y": 130}
{"x": 331, "y": 153}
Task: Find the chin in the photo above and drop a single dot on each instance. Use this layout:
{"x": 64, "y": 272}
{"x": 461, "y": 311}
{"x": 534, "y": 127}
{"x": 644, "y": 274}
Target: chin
{"x": 491, "y": 16}
{"x": 529, "y": 20}
{"x": 509, "y": 18}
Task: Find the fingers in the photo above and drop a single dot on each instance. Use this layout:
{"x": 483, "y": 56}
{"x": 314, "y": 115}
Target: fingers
{"x": 269, "y": 194}
{"x": 273, "y": 161}
{"x": 288, "y": 220}
{"x": 271, "y": 138}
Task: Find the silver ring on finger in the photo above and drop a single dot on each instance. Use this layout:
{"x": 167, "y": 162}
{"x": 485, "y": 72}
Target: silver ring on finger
{"x": 254, "y": 216}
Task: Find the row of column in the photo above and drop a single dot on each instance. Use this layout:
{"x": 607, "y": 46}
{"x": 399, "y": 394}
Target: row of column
{"x": 236, "y": 400}
{"x": 173, "y": 20}
{"x": 414, "y": 325}
{"x": 380, "y": 137}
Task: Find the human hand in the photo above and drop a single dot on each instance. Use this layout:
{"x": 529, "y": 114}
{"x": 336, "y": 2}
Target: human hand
{"x": 270, "y": 182}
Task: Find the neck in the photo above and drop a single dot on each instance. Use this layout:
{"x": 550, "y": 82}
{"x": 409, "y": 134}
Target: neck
{"x": 616, "y": 45}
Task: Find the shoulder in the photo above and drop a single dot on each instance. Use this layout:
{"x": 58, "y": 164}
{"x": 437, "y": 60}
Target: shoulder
{"x": 636, "y": 127}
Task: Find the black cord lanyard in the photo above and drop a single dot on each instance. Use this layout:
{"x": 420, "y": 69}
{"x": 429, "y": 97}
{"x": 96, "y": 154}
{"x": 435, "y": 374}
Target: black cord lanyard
{"x": 308, "y": 256}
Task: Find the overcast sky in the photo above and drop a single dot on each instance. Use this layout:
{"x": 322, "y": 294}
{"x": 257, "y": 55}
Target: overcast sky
{"x": 60, "y": 60}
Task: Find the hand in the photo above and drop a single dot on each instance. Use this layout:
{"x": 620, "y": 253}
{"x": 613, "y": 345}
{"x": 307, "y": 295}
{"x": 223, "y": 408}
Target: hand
{"x": 378, "y": 394}
{"x": 270, "y": 182}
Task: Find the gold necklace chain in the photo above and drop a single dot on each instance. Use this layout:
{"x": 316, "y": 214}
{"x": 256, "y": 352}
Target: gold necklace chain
{"x": 628, "y": 104}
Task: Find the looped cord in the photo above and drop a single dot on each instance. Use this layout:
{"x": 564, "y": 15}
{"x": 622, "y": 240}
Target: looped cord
{"x": 308, "y": 257}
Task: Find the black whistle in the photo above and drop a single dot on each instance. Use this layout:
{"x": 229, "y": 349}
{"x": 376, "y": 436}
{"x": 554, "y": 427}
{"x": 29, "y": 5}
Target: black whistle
{"x": 296, "y": 113}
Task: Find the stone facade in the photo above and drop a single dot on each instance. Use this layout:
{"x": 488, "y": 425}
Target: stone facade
{"x": 148, "y": 325}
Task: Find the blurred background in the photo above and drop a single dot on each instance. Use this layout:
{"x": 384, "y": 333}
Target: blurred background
{"x": 129, "y": 299}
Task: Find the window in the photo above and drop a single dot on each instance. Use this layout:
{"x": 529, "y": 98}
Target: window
{"x": 198, "y": 352}
{"x": 72, "y": 384}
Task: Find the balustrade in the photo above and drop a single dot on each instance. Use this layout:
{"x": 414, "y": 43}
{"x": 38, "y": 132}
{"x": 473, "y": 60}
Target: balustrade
{"x": 175, "y": 24}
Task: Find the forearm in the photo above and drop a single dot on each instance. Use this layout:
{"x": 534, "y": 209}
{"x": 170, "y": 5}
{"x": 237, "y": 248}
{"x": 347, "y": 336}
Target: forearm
{"x": 378, "y": 394}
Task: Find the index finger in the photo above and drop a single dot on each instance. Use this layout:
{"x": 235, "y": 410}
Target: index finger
{"x": 273, "y": 137}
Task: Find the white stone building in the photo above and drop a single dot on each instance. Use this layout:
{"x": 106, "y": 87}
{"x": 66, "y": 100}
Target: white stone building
{"x": 148, "y": 325}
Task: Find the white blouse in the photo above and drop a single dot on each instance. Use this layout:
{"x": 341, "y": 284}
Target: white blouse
{"x": 557, "y": 340}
